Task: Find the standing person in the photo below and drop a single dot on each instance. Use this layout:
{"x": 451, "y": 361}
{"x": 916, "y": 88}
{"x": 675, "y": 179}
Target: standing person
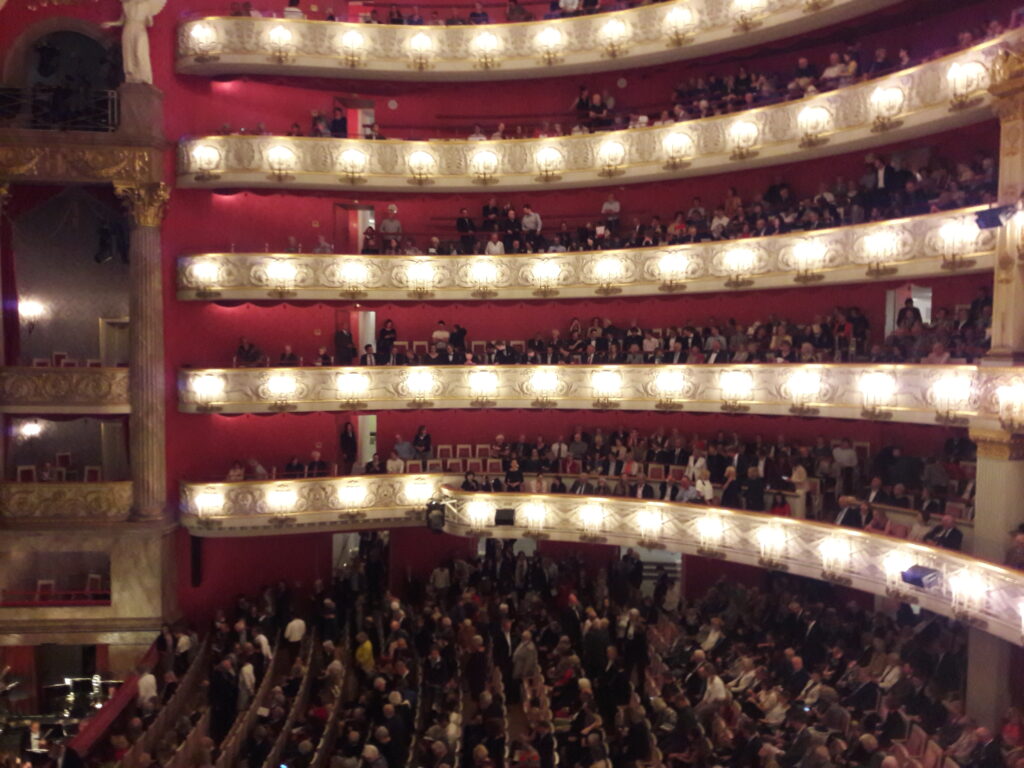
{"x": 349, "y": 445}
{"x": 386, "y": 339}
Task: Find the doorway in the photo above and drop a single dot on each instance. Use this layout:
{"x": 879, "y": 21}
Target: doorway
{"x": 350, "y": 221}
{"x": 115, "y": 345}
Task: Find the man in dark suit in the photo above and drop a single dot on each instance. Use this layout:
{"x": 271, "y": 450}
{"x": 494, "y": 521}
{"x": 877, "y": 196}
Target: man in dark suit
{"x": 946, "y": 534}
{"x": 467, "y": 231}
{"x": 875, "y": 493}
{"x": 640, "y": 489}
{"x": 864, "y": 695}
{"x": 676, "y": 355}
{"x": 753, "y": 491}
{"x": 612, "y": 685}
{"x": 849, "y": 515}
{"x": 396, "y": 358}
{"x": 582, "y": 486}
{"x": 801, "y": 742}
{"x": 988, "y": 753}
{"x": 503, "y": 643}
{"x": 798, "y": 677}
{"x": 591, "y": 356}
{"x": 716, "y": 354}
{"x": 369, "y": 357}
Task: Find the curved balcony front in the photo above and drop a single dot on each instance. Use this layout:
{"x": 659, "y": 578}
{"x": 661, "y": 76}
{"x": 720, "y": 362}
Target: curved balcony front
{"x": 919, "y": 246}
{"x": 642, "y": 36}
{"x": 985, "y": 397}
{"x": 939, "y": 95}
{"x": 63, "y": 504}
{"x": 63, "y": 390}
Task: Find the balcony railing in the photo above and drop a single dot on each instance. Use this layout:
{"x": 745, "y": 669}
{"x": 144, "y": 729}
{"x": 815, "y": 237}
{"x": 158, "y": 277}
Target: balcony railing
{"x": 63, "y": 390}
{"x": 931, "y": 97}
{"x": 64, "y": 503}
{"x": 985, "y": 397}
{"x": 920, "y": 246}
{"x": 640, "y": 36}
{"x": 54, "y": 108}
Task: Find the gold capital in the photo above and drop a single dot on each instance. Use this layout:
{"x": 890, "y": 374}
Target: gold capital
{"x": 145, "y": 202}
{"x": 997, "y": 444}
{"x": 5, "y": 194}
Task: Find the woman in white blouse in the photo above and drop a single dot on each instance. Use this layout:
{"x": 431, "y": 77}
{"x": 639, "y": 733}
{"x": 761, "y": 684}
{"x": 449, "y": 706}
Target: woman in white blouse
{"x": 394, "y": 464}
{"x": 695, "y": 464}
{"x": 704, "y": 487}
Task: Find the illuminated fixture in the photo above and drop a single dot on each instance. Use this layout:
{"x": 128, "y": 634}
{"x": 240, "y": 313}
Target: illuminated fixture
{"x": 809, "y": 258}
{"x": 545, "y": 275}
{"x": 951, "y": 396}
{"x": 957, "y": 238}
{"x": 803, "y": 386}
{"x": 352, "y": 494}
{"x": 609, "y": 270}
{"x": 282, "y": 161}
{"x": 206, "y": 160}
{"x": 607, "y": 388}
{"x": 29, "y": 430}
{"x": 207, "y": 389}
{"x": 670, "y": 386}
{"x": 737, "y": 387}
{"x": 420, "y": 384}
{"x": 966, "y": 81}
{"x": 480, "y": 514}
{"x": 549, "y": 43}
{"x": 483, "y": 276}
{"x": 420, "y": 276}
{"x": 281, "y": 388}
{"x": 421, "y": 50}
{"x": 422, "y": 165}
{"x": 747, "y": 13}
{"x": 813, "y": 120}
{"x": 739, "y": 264}
{"x": 543, "y": 385}
{"x": 895, "y": 563}
{"x": 483, "y": 387}
{"x": 613, "y": 36}
{"x": 710, "y": 535}
{"x": 281, "y": 276}
{"x": 485, "y": 47}
{"x": 533, "y": 516}
{"x": 206, "y": 275}
{"x": 282, "y": 499}
{"x": 836, "y": 555}
{"x": 281, "y": 47}
{"x": 1010, "y": 402}
{"x": 208, "y": 502}
{"x": 353, "y": 164}
{"x": 203, "y": 39}
{"x": 968, "y": 592}
{"x": 591, "y": 517}
{"x": 353, "y": 387}
{"x": 418, "y": 490}
{"x": 877, "y": 391}
{"x": 771, "y": 541}
{"x": 673, "y": 269}
{"x": 611, "y": 156}
{"x": 679, "y": 149}
{"x": 550, "y": 163}
{"x": 649, "y": 522}
{"x": 880, "y": 249}
{"x": 484, "y": 166}
{"x": 30, "y": 312}
{"x": 354, "y": 276}
{"x": 680, "y": 24}
{"x": 743, "y": 136}
{"x": 352, "y": 45}
{"x": 886, "y": 104}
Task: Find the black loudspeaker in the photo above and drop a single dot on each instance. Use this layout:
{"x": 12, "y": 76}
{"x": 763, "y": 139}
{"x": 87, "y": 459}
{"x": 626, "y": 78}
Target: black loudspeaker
{"x": 196, "y": 560}
{"x": 994, "y": 217}
{"x": 920, "y": 576}
{"x": 505, "y": 517}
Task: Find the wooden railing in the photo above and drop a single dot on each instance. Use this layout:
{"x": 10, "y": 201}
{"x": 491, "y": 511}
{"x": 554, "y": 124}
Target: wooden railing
{"x": 311, "y": 660}
{"x": 246, "y": 720}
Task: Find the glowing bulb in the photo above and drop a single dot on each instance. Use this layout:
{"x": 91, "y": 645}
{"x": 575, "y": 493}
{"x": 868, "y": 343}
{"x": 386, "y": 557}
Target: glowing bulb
{"x": 835, "y": 554}
{"x": 771, "y": 540}
{"x": 804, "y": 385}
{"x": 611, "y": 154}
{"x": 549, "y": 41}
{"x": 352, "y": 385}
{"x": 207, "y": 386}
{"x": 281, "y": 272}
{"x": 352, "y": 495}
{"x": 650, "y": 522}
{"x": 877, "y": 389}
{"x": 549, "y": 160}
{"x": 483, "y": 383}
{"x": 422, "y": 163}
{"x": 809, "y": 255}
{"x": 202, "y": 34}
{"x": 30, "y": 429}
{"x": 533, "y": 515}
{"x": 608, "y": 269}
{"x": 420, "y": 382}
{"x": 419, "y": 490}
{"x": 280, "y": 36}
{"x": 281, "y": 158}
{"x": 208, "y": 502}
{"x": 591, "y": 517}
{"x": 205, "y": 157}
{"x": 736, "y": 386}
{"x": 606, "y": 383}
{"x": 484, "y": 163}
{"x": 205, "y": 272}
{"x": 282, "y": 385}
{"x": 353, "y": 162}
{"x": 480, "y": 513}
{"x": 282, "y": 499}
{"x": 544, "y": 381}
{"x": 678, "y": 145}
{"x": 31, "y": 309}
{"x": 952, "y": 393}
{"x": 710, "y": 531}
{"x": 670, "y": 382}
{"x": 483, "y": 272}
{"x": 673, "y": 265}
{"x": 421, "y": 43}
{"x": 354, "y": 273}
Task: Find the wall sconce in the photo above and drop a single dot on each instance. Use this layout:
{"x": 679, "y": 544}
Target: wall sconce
{"x": 951, "y": 396}
{"x": 877, "y": 391}
{"x": 669, "y": 386}
{"x": 354, "y": 276}
{"x": 550, "y": 163}
{"x": 545, "y": 275}
{"x": 281, "y": 276}
{"x": 352, "y": 495}
{"x": 743, "y": 135}
{"x": 420, "y": 384}
{"x": 895, "y": 563}
{"x": 281, "y": 47}
{"x": 550, "y": 44}
{"x": 679, "y": 149}
{"x": 739, "y": 264}
{"x": 771, "y": 541}
{"x": 737, "y": 387}
{"x": 282, "y": 499}
{"x": 611, "y": 156}
{"x": 543, "y": 385}
{"x": 207, "y": 389}
{"x": 710, "y": 535}
{"x": 613, "y": 36}
{"x": 680, "y": 24}
{"x": 418, "y": 490}
{"x": 533, "y": 516}
{"x": 803, "y": 386}
{"x": 483, "y": 387}
{"x": 607, "y": 388}
{"x": 480, "y": 514}
{"x": 206, "y": 276}
{"x": 353, "y": 164}
{"x": 281, "y": 387}
{"x": 836, "y": 554}
{"x": 29, "y": 430}
{"x": 353, "y": 387}
{"x": 886, "y": 103}
{"x": 352, "y": 46}
{"x": 483, "y": 274}
{"x": 203, "y": 39}
{"x": 1010, "y": 405}
{"x": 747, "y": 14}
{"x": 649, "y": 523}
{"x": 957, "y": 239}
{"x": 881, "y": 248}
{"x": 420, "y": 276}
{"x": 30, "y": 312}
{"x": 485, "y": 47}
{"x": 591, "y": 518}
{"x": 206, "y": 160}
{"x": 813, "y": 121}
{"x": 484, "y": 166}
{"x": 673, "y": 269}
{"x": 966, "y": 80}
{"x": 421, "y": 50}
{"x": 809, "y": 258}
{"x": 608, "y": 270}
{"x": 208, "y": 502}
{"x": 422, "y": 165}
{"x": 282, "y": 161}
{"x": 968, "y": 592}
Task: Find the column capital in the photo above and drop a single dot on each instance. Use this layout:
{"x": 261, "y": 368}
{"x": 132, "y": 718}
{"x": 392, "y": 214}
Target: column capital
{"x": 997, "y": 444}
{"x": 145, "y": 202}
{"x": 5, "y": 194}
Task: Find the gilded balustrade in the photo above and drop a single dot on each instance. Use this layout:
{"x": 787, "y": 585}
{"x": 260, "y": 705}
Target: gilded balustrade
{"x": 63, "y": 390}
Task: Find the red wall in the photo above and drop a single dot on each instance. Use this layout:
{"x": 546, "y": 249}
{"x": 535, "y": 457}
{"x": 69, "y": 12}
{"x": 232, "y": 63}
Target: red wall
{"x": 415, "y": 552}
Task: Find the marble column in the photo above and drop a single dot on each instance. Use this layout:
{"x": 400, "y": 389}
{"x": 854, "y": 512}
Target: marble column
{"x": 5, "y": 195}
{"x": 146, "y": 204}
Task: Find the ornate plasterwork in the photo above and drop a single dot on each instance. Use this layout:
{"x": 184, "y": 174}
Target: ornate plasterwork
{"x": 998, "y": 444}
{"x": 146, "y": 203}
{"x": 76, "y": 164}
{"x": 64, "y": 390}
{"x": 66, "y": 502}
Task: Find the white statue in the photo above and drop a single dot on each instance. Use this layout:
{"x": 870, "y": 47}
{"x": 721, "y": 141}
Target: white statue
{"x": 136, "y": 17}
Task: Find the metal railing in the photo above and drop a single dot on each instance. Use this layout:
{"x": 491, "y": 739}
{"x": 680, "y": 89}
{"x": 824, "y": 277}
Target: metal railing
{"x": 58, "y": 108}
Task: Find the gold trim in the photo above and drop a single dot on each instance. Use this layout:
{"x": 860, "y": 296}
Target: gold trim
{"x": 83, "y": 164}
{"x": 997, "y": 444}
{"x": 147, "y": 203}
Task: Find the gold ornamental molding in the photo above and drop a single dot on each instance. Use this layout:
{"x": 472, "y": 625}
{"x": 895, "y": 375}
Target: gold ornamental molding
{"x": 147, "y": 203}
{"x": 998, "y": 444}
{"x": 64, "y": 390}
{"x": 84, "y": 503}
{"x": 46, "y": 161}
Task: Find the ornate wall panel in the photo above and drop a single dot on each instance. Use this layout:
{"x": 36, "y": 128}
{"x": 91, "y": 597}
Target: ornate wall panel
{"x": 64, "y": 390}
{"x": 912, "y": 247}
{"x": 34, "y": 503}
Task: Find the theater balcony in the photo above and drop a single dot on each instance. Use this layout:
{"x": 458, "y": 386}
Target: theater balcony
{"x": 60, "y": 504}
{"x": 75, "y": 390}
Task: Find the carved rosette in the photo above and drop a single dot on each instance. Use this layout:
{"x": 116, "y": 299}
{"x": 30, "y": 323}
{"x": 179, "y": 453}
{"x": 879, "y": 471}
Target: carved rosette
{"x": 81, "y": 502}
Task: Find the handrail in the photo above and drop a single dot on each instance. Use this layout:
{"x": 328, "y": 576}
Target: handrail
{"x": 185, "y": 754}
{"x": 312, "y": 659}
{"x": 330, "y": 734}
